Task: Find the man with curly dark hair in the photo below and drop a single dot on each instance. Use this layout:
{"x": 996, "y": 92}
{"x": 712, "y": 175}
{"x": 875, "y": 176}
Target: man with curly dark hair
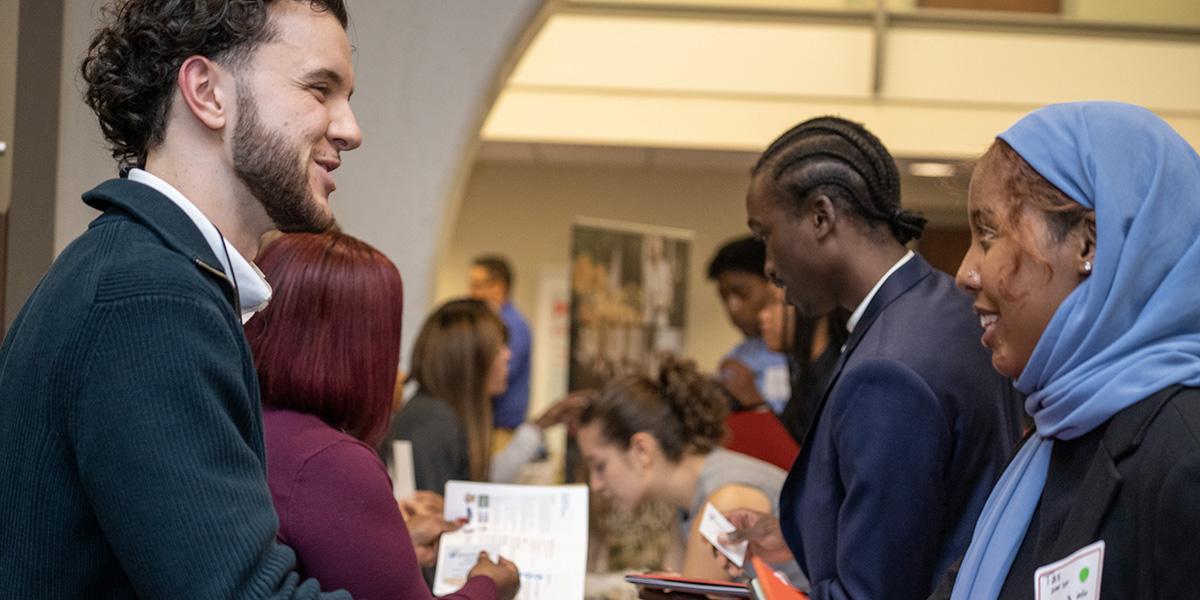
{"x": 130, "y": 421}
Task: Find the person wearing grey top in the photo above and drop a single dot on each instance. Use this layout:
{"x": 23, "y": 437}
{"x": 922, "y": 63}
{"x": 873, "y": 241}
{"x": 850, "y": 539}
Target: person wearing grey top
{"x": 659, "y": 439}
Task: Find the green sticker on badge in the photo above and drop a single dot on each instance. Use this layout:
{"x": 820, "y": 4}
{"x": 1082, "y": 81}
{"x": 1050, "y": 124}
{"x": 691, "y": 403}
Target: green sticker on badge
{"x": 1083, "y": 574}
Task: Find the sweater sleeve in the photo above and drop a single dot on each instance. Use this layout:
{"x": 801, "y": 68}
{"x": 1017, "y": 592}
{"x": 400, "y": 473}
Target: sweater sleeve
{"x": 168, "y": 443}
{"x": 348, "y": 531}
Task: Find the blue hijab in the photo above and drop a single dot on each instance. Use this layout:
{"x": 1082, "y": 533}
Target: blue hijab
{"x": 1128, "y": 330}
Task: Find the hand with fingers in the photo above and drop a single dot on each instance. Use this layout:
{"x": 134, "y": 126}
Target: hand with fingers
{"x": 738, "y": 380}
{"x": 503, "y": 572}
{"x": 566, "y": 410}
{"x": 426, "y": 531}
{"x": 762, "y": 531}
{"x": 422, "y": 503}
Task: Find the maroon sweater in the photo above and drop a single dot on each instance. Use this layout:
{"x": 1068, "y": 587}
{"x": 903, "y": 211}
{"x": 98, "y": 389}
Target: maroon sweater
{"x": 336, "y": 510}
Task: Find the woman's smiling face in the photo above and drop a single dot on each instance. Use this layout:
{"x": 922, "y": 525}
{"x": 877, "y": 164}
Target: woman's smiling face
{"x": 1017, "y": 269}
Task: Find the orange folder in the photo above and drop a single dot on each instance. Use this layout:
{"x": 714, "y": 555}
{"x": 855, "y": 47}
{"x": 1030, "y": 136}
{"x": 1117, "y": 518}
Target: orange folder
{"x": 766, "y": 586}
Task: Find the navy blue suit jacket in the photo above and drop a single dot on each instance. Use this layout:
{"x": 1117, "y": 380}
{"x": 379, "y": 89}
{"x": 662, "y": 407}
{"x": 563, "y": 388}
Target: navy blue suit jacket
{"x": 913, "y": 429}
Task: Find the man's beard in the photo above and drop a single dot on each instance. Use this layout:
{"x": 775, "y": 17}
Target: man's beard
{"x": 274, "y": 173}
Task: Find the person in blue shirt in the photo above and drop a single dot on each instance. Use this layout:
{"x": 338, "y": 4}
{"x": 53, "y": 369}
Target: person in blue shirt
{"x": 751, "y": 372}
{"x": 491, "y": 280}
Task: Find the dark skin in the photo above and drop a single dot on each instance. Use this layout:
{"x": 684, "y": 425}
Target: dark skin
{"x": 823, "y": 257}
{"x": 503, "y": 572}
{"x": 738, "y": 380}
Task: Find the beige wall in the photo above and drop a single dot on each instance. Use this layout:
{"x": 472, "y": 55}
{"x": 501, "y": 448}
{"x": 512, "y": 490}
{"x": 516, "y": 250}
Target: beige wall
{"x": 525, "y": 212}
{"x": 1163, "y": 12}
{"x": 638, "y": 79}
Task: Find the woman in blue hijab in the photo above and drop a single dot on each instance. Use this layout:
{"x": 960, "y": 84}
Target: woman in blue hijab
{"x": 1085, "y": 269}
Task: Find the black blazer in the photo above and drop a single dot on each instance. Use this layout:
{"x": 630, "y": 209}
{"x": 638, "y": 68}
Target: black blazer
{"x": 1141, "y": 495}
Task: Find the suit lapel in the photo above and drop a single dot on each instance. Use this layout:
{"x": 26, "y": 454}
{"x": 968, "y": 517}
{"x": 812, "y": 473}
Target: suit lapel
{"x": 1096, "y": 494}
{"x": 1122, "y": 437}
{"x": 900, "y": 282}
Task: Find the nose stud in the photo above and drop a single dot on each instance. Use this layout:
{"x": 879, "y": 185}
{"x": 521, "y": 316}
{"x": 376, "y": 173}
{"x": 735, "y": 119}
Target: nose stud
{"x": 973, "y": 277}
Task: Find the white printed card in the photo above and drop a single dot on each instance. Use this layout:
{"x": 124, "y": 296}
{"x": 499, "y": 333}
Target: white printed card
{"x": 712, "y": 525}
{"x": 1076, "y": 577}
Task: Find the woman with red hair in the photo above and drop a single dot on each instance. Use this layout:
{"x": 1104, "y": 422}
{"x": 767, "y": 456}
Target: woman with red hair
{"x": 327, "y": 349}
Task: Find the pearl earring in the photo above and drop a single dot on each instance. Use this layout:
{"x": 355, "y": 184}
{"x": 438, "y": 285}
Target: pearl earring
{"x": 1087, "y": 267}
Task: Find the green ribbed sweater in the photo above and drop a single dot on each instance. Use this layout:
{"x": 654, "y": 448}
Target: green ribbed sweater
{"x": 131, "y": 452}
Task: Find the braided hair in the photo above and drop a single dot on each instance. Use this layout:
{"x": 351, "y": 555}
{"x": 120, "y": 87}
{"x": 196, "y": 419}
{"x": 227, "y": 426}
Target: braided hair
{"x": 843, "y": 161}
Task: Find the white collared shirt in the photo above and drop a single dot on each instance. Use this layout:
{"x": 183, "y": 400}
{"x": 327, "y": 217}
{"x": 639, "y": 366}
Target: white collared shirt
{"x": 856, "y": 316}
{"x": 252, "y": 288}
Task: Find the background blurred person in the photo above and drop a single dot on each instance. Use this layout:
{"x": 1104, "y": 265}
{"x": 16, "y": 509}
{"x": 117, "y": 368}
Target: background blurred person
{"x": 1085, "y": 269}
{"x": 910, "y": 435}
{"x": 491, "y": 280}
{"x": 812, "y": 346}
{"x": 660, "y": 440}
{"x": 327, "y": 350}
{"x": 753, "y": 373}
{"x": 459, "y": 362}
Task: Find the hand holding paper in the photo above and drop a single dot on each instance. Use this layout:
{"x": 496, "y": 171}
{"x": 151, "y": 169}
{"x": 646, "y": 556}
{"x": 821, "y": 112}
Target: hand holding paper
{"x": 712, "y": 525}
{"x": 762, "y": 532}
{"x": 543, "y": 529}
{"x": 426, "y": 531}
{"x": 503, "y": 572}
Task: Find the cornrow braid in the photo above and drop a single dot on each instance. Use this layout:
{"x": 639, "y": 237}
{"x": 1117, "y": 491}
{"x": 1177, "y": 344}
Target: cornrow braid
{"x": 841, "y": 159}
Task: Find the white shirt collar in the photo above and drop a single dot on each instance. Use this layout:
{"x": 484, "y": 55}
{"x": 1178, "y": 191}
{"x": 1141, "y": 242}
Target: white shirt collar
{"x": 856, "y": 316}
{"x": 252, "y": 288}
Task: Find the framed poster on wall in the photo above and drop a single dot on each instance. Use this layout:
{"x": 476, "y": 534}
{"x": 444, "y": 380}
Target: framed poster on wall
{"x": 628, "y": 298}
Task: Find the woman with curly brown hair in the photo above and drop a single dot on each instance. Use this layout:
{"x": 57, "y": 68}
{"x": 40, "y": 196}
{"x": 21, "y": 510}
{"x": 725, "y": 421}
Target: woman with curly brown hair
{"x": 659, "y": 439}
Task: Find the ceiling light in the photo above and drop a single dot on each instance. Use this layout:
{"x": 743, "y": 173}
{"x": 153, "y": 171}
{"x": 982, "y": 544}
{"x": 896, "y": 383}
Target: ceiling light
{"x": 932, "y": 169}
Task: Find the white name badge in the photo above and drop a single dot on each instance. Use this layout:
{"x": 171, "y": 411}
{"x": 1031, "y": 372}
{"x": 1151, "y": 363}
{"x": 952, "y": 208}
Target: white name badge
{"x": 1076, "y": 577}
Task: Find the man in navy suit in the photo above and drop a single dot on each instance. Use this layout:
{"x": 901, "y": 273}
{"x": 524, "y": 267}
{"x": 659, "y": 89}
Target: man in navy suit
{"x": 915, "y": 425}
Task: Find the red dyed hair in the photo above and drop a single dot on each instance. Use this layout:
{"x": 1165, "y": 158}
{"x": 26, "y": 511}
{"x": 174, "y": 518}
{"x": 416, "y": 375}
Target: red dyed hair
{"x": 328, "y": 344}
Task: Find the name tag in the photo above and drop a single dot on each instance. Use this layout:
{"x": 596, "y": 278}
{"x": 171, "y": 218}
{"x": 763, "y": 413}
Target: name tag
{"x": 1076, "y": 577}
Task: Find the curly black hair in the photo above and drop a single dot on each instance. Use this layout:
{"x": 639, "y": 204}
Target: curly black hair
{"x": 133, "y": 60}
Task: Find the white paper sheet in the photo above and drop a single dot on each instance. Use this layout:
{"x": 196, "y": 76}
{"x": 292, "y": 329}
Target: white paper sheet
{"x": 543, "y": 529}
{"x": 712, "y": 525}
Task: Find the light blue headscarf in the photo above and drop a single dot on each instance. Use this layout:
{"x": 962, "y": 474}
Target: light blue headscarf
{"x": 1130, "y": 329}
